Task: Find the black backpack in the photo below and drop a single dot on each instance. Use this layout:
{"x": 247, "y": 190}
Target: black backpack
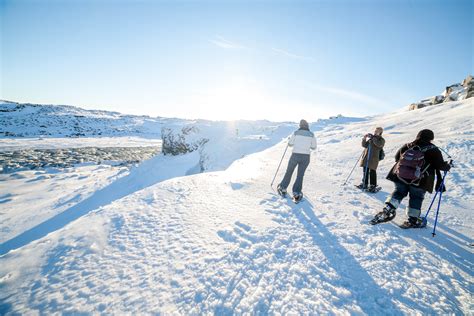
{"x": 381, "y": 154}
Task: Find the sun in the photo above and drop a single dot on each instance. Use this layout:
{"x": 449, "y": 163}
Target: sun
{"x": 235, "y": 99}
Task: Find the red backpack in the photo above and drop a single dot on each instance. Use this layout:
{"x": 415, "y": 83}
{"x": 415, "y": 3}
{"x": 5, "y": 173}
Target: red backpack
{"x": 411, "y": 165}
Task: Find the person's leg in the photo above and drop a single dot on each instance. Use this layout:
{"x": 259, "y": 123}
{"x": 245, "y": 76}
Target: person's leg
{"x": 373, "y": 177}
{"x": 401, "y": 191}
{"x": 289, "y": 172}
{"x": 365, "y": 179}
{"x": 391, "y": 204}
{"x": 416, "y": 200}
{"x": 303, "y": 162}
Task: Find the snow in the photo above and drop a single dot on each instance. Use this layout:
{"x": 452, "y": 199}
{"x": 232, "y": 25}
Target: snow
{"x": 161, "y": 239}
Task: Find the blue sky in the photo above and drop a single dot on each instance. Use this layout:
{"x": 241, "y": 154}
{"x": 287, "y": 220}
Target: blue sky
{"x": 277, "y": 60}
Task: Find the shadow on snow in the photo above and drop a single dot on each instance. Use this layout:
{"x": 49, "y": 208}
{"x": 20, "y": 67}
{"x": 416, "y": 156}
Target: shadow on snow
{"x": 146, "y": 174}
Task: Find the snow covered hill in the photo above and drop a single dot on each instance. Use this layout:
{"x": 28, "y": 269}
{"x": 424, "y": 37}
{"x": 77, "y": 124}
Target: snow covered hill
{"x": 34, "y": 126}
{"x": 33, "y": 120}
{"x": 26, "y": 120}
{"x": 223, "y": 242}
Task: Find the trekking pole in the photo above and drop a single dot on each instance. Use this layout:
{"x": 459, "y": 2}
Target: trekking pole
{"x": 352, "y": 169}
{"x": 449, "y": 156}
{"x": 425, "y": 218}
{"x": 284, "y": 153}
{"x": 367, "y": 165}
{"x": 439, "y": 203}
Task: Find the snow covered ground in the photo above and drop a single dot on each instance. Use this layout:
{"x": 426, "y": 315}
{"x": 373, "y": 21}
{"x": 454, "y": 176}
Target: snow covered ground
{"x": 159, "y": 238}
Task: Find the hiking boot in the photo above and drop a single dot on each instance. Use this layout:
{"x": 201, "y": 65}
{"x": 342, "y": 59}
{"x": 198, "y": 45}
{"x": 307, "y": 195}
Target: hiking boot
{"x": 297, "y": 197}
{"x": 281, "y": 191}
{"x": 389, "y": 212}
{"x": 413, "y": 222}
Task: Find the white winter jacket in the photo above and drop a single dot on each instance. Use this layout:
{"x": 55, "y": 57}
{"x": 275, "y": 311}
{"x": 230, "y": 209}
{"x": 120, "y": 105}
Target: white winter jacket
{"x": 302, "y": 141}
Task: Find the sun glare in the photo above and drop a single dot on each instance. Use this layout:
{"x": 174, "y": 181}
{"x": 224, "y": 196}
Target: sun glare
{"x": 235, "y": 100}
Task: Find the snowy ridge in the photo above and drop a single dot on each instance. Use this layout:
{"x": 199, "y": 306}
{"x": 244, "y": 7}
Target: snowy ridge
{"x": 34, "y": 126}
{"x": 225, "y": 243}
{"x": 33, "y": 120}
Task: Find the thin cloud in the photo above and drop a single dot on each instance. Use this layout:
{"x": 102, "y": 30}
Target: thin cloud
{"x": 291, "y": 55}
{"x": 224, "y": 43}
{"x": 349, "y": 94}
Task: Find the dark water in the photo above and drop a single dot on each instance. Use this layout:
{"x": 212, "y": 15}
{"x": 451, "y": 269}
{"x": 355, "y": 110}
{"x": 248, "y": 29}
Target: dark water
{"x": 30, "y": 159}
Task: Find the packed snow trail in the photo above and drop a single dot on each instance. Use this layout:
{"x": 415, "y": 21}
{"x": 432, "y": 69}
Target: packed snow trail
{"x": 224, "y": 243}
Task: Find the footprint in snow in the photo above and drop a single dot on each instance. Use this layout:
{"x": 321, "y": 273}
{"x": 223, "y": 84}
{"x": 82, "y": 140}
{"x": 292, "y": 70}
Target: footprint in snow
{"x": 234, "y": 237}
{"x": 243, "y": 226}
{"x": 236, "y": 186}
{"x": 43, "y": 177}
{"x": 17, "y": 176}
{"x": 227, "y": 236}
{"x": 324, "y": 199}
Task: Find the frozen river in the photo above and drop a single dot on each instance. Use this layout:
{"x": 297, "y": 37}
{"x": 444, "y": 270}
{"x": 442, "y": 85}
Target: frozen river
{"x": 31, "y": 154}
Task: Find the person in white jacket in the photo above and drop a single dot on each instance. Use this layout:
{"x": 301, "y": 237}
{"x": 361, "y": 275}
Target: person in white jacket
{"x": 302, "y": 141}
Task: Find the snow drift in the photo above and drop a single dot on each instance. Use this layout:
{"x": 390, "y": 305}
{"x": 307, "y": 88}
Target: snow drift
{"x": 225, "y": 243}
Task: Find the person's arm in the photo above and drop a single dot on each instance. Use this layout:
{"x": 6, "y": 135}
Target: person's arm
{"x": 378, "y": 142}
{"x": 438, "y": 162}
{"x": 291, "y": 142}
{"x": 314, "y": 143}
{"x": 365, "y": 143}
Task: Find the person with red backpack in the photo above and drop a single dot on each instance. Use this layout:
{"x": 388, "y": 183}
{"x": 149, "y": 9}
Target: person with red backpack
{"x": 413, "y": 174}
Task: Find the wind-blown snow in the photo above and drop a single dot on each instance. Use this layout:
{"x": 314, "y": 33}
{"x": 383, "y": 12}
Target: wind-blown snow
{"x": 223, "y": 242}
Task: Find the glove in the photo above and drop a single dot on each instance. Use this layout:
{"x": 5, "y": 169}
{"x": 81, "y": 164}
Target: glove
{"x": 449, "y": 165}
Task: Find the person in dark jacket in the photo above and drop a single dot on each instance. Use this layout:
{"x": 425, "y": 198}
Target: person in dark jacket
{"x": 433, "y": 164}
{"x": 376, "y": 143}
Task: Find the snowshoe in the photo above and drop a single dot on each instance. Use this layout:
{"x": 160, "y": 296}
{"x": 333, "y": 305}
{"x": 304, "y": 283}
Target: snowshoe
{"x": 373, "y": 189}
{"x": 282, "y": 192}
{"x": 297, "y": 197}
{"x": 386, "y": 215}
{"x": 370, "y": 189}
{"x": 413, "y": 222}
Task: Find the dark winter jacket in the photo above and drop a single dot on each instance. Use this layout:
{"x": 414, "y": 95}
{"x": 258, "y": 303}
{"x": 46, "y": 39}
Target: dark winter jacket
{"x": 433, "y": 157}
{"x": 377, "y": 143}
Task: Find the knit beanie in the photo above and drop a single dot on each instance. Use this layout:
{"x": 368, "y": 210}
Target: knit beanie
{"x": 426, "y": 135}
{"x": 304, "y": 124}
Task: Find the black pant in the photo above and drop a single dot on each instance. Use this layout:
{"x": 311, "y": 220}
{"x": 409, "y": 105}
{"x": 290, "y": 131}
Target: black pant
{"x": 372, "y": 177}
